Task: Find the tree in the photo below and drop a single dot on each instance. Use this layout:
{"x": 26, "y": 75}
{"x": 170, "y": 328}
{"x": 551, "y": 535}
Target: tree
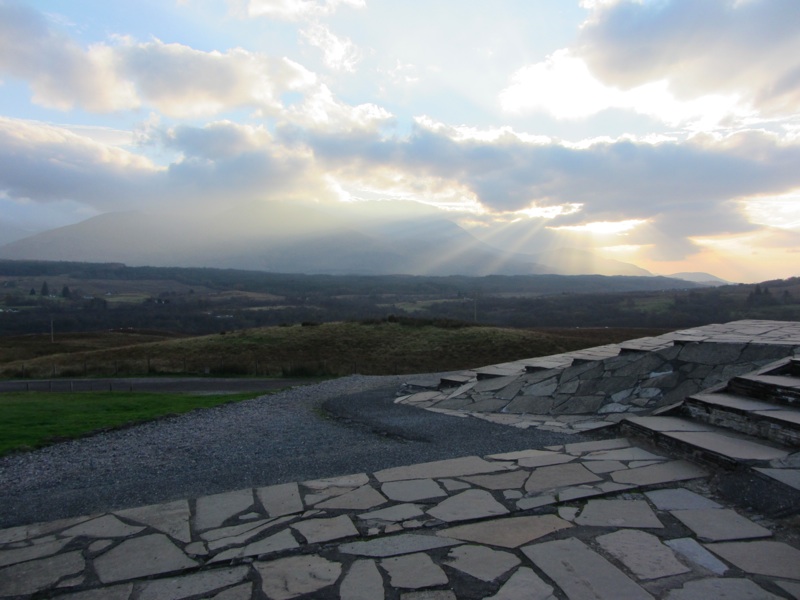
{"x": 32, "y": 292}
{"x": 45, "y": 290}
{"x": 65, "y": 293}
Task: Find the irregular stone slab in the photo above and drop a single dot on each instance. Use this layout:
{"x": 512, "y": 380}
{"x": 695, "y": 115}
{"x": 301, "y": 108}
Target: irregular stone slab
{"x": 731, "y": 447}
{"x": 171, "y": 518}
{"x": 240, "y": 592}
{"x": 507, "y": 533}
{"x": 625, "y": 454}
{"x": 556, "y": 458}
{"x": 283, "y": 540}
{"x": 548, "y": 478}
{"x": 213, "y": 511}
{"x": 790, "y": 477}
{"x": 360, "y": 499}
{"x": 399, "y": 512}
{"x": 524, "y": 584}
{"x": 793, "y": 589}
{"x": 175, "y": 588}
{"x": 604, "y": 466}
{"x": 18, "y": 555}
{"x": 618, "y": 513}
{"x": 536, "y": 502}
{"x": 720, "y": 524}
{"x": 582, "y": 573}
{"x": 775, "y": 559}
{"x": 26, "y": 532}
{"x": 453, "y": 485}
{"x": 140, "y": 557}
{"x": 37, "y": 575}
{"x": 324, "y": 530}
{"x": 676, "y": 470}
{"x": 406, "y": 543}
{"x": 414, "y": 571}
{"x": 412, "y": 490}
{"x": 362, "y": 582}
{"x": 114, "y": 592}
{"x": 722, "y": 589}
{"x": 345, "y": 481}
{"x": 521, "y": 454}
{"x": 642, "y": 553}
{"x": 679, "y": 499}
{"x": 504, "y": 481}
{"x": 581, "y": 447}
{"x": 238, "y": 540}
{"x": 429, "y": 595}
{"x": 481, "y": 562}
{"x": 581, "y": 491}
{"x": 234, "y": 530}
{"x": 471, "y": 504}
{"x": 297, "y": 575}
{"x": 107, "y": 526}
{"x": 456, "y": 467}
{"x": 280, "y": 500}
{"x": 692, "y": 551}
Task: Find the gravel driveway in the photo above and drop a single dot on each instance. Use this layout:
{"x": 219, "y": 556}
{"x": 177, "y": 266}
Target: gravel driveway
{"x": 337, "y": 427}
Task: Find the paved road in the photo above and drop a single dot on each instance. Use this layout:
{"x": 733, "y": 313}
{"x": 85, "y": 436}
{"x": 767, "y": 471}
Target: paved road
{"x": 304, "y": 433}
{"x": 150, "y": 384}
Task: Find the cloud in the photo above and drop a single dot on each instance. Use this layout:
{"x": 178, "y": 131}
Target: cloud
{"x": 293, "y": 10}
{"x": 44, "y": 163}
{"x": 340, "y": 54}
{"x": 61, "y": 74}
{"x": 749, "y": 49}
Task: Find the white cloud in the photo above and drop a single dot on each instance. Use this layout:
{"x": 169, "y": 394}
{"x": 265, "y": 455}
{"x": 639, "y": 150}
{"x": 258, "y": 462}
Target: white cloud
{"x": 293, "y": 10}
{"x": 729, "y": 48}
{"x": 340, "y": 54}
{"x": 563, "y": 86}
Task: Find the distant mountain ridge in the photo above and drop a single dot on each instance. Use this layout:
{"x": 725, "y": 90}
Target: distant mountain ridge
{"x": 699, "y": 277}
{"x": 297, "y": 239}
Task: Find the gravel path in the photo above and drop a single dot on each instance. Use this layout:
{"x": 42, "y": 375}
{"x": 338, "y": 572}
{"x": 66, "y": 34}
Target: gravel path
{"x": 337, "y": 427}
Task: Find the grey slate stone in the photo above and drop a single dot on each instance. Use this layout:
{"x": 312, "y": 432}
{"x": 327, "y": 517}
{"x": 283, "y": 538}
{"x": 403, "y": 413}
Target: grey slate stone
{"x": 774, "y": 559}
{"x": 509, "y": 532}
{"x": 692, "y": 551}
{"x": 37, "y": 575}
{"x": 213, "y": 511}
{"x": 618, "y": 513}
{"x": 280, "y": 500}
{"x": 471, "y": 504}
{"x": 176, "y": 588}
{"x": 721, "y": 589}
{"x": 297, "y": 575}
{"x": 548, "y": 478}
{"x": 414, "y": 571}
{"x": 171, "y": 518}
{"x": 642, "y": 553}
{"x": 456, "y": 467}
{"x": 139, "y": 557}
{"x": 412, "y": 490}
{"x": 720, "y": 524}
{"x": 524, "y": 583}
{"x": 582, "y": 573}
{"x": 481, "y": 562}
{"x": 677, "y": 470}
{"x": 406, "y": 543}
{"x": 362, "y": 582}
{"x": 324, "y": 530}
{"x": 359, "y": 499}
{"x": 679, "y": 499}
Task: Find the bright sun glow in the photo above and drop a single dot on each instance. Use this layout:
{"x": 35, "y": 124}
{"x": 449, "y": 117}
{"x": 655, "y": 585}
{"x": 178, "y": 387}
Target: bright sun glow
{"x": 603, "y": 227}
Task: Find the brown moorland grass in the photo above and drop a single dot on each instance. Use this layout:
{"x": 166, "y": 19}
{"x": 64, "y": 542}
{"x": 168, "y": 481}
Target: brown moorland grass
{"x": 324, "y": 349}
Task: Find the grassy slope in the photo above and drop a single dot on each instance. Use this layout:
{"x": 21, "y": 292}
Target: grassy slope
{"x": 339, "y": 348}
{"x": 32, "y": 420}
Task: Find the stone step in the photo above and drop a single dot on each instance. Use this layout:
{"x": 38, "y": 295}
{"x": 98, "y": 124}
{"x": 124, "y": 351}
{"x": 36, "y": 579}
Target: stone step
{"x": 704, "y": 442}
{"x": 766, "y": 420}
{"x": 781, "y": 389}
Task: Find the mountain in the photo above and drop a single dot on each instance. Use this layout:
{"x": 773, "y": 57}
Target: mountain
{"x": 294, "y": 238}
{"x": 11, "y": 233}
{"x": 703, "y": 278}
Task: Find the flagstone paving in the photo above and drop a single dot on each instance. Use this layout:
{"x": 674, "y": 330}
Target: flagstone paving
{"x": 459, "y": 528}
{"x": 604, "y": 519}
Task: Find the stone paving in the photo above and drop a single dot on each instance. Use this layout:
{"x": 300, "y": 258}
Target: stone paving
{"x": 600, "y": 519}
{"x": 598, "y": 387}
{"x": 605, "y": 519}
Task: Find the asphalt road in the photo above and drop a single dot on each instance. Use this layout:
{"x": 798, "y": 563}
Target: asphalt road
{"x": 333, "y": 428}
{"x": 150, "y": 384}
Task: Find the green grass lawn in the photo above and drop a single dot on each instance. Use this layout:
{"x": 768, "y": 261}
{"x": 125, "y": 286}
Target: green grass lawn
{"x": 35, "y": 419}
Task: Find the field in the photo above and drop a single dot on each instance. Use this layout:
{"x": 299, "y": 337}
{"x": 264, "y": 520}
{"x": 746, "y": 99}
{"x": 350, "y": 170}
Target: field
{"x": 378, "y": 348}
{"x": 32, "y": 420}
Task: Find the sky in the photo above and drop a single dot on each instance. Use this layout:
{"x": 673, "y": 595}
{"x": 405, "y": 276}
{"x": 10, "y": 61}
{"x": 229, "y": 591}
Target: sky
{"x": 664, "y": 133}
